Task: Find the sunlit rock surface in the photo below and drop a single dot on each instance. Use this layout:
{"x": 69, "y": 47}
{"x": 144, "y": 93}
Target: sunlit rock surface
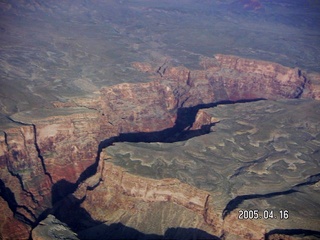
{"x": 79, "y": 76}
{"x": 262, "y": 155}
{"x": 51, "y": 228}
{"x": 58, "y": 50}
{"x": 46, "y": 154}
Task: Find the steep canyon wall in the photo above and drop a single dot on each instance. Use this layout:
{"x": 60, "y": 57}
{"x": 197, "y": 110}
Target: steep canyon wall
{"x": 46, "y": 154}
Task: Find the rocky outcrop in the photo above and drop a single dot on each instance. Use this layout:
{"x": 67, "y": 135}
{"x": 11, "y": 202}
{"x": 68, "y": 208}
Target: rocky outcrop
{"x": 119, "y": 196}
{"x": 256, "y": 157}
{"x": 39, "y": 152}
{"x": 22, "y": 173}
{"x": 113, "y": 195}
{"x": 51, "y": 228}
{"x": 45, "y": 154}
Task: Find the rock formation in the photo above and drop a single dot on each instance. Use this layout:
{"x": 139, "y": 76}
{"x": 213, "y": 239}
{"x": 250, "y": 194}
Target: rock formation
{"x": 52, "y": 228}
{"x": 47, "y": 154}
{"x": 256, "y": 157}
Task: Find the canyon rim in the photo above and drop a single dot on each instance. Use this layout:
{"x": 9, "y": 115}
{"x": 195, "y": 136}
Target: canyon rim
{"x": 159, "y": 120}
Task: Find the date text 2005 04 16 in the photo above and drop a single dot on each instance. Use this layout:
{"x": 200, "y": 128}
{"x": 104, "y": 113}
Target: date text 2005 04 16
{"x": 265, "y": 214}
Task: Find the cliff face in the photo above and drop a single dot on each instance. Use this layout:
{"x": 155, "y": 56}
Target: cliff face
{"x": 117, "y": 196}
{"x": 41, "y": 152}
{"x": 11, "y": 227}
{"x": 256, "y": 157}
{"x": 46, "y": 154}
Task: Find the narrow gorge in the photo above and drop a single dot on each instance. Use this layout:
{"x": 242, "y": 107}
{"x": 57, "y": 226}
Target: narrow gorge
{"x": 56, "y": 169}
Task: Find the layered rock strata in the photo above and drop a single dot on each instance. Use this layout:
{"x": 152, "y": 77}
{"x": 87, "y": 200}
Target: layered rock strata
{"x": 52, "y": 228}
{"x": 133, "y": 200}
{"x": 46, "y": 153}
{"x": 256, "y": 157}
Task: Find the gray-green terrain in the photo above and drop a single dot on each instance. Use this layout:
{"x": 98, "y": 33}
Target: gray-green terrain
{"x": 84, "y": 85}
{"x": 53, "y": 50}
{"x": 261, "y": 155}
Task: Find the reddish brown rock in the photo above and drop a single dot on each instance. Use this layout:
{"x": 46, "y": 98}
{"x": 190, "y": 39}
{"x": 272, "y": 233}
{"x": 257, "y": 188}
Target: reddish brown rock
{"x": 22, "y": 171}
{"x": 203, "y": 119}
{"x": 51, "y": 150}
{"x": 128, "y": 107}
{"x": 119, "y": 192}
{"x": 35, "y": 157}
{"x": 10, "y": 227}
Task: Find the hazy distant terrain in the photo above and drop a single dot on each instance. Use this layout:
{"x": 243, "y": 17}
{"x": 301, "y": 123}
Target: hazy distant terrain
{"x": 55, "y": 50}
{"x": 117, "y": 120}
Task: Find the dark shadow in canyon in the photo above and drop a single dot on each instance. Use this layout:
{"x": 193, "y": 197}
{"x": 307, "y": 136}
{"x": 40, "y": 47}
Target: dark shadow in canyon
{"x": 234, "y": 203}
{"x": 293, "y": 232}
{"x": 61, "y": 189}
{"x": 80, "y": 221}
{"x": 181, "y": 131}
{"x": 118, "y": 231}
{"x": 9, "y": 197}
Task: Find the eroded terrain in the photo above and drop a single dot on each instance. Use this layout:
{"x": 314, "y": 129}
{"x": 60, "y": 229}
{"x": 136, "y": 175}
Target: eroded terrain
{"x": 53, "y": 160}
{"x": 132, "y": 121}
{"x": 261, "y": 155}
{"x": 58, "y": 50}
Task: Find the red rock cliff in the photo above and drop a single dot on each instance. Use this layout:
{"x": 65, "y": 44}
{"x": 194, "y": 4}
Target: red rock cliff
{"x": 48, "y": 151}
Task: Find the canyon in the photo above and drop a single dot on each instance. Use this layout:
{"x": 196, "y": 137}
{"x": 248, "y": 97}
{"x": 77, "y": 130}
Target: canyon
{"x": 159, "y": 119}
{"x": 55, "y": 161}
